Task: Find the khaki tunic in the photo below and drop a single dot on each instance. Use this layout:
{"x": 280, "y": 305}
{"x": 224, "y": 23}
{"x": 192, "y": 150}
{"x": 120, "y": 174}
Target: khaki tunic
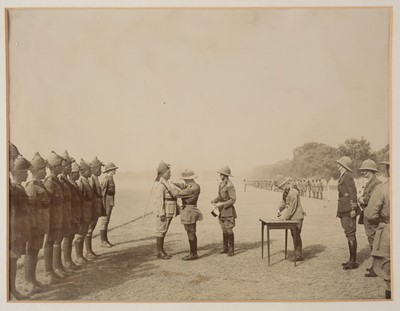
{"x": 66, "y": 224}
{"x": 227, "y": 195}
{"x": 39, "y": 201}
{"x": 54, "y": 189}
{"x": 97, "y": 197}
{"x": 19, "y": 210}
{"x": 87, "y": 199}
{"x": 76, "y": 209}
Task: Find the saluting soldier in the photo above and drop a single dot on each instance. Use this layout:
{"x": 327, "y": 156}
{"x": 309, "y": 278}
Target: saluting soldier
{"x": 290, "y": 208}
{"x": 348, "y": 209}
{"x": 225, "y": 200}
{"x": 190, "y": 214}
{"x": 19, "y": 209}
{"x": 54, "y": 189}
{"x": 368, "y": 170}
{"x": 165, "y": 205}
{"x": 108, "y": 192}
{"x": 39, "y": 221}
{"x": 87, "y": 206}
{"x": 76, "y": 212}
{"x": 98, "y": 208}
{"x": 378, "y": 212}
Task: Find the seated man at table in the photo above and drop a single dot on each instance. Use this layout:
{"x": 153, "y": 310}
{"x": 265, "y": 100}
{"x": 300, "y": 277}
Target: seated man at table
{"x": 290, "y": 209}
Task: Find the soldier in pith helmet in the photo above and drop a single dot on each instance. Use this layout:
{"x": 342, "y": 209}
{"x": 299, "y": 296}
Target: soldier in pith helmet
{"x": 54, "y": 189}
{"x": 108, "y": 192}
{"x": 39, "y": 221}
{"x": 225, "y": 200}
{"x": 19, "y": 221}
{"x": 98, "y": 208}
{"x": 87, "y": 208}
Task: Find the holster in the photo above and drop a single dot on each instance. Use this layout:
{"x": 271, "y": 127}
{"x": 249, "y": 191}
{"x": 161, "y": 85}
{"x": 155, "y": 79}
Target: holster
{"x": 361, "y": 218}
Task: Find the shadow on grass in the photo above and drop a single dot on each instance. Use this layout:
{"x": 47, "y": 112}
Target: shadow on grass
{"x": 309, "y": 252}
{"x": 363, "y": 255}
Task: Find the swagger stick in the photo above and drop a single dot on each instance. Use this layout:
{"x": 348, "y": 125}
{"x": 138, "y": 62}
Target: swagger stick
{"x": 148, "y": 200}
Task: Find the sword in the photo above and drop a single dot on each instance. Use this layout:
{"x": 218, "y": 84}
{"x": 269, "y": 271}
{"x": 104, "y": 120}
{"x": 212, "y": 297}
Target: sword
{"x": 148, "y": 200}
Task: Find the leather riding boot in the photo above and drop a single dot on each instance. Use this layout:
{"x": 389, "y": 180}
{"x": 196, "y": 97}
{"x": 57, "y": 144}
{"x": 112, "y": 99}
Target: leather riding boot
{"x": 13, "y": 274}
{"x": 352, "y": 264}
{"x": 80, "y": 260}
{"x": 89, "y": 254}
{"x": 30, "y": 274}
{"x": 371, "y": 273}
{"x": 160, "y": 253}
{"x": 67, "y": 252}
{"x": 388, "y": 294}
{"x": 35, "y": 261}
{"x": 162, "y": 248}
{"x": 109, "y": 243}
{"x": 231, "y": 244}
{"x": 225, "y": 243}
{"x": 193, "y": 252}
{"x": 57, "y": 262}
{"x": 103, "y": 237}
{"x": 50, "y": 277}
{"x": 349, "y": 246}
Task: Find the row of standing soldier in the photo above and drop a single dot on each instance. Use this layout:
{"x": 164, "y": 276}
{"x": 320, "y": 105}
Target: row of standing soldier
{"x": 55, "y": 213}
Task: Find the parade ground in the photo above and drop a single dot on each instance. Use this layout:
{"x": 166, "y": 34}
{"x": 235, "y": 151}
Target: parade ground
{"x": 130, "y": 271}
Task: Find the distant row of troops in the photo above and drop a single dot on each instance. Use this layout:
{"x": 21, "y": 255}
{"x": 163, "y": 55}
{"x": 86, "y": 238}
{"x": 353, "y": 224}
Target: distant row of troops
{"x": 313, "y": 188}
{"x": 55, "y": 213}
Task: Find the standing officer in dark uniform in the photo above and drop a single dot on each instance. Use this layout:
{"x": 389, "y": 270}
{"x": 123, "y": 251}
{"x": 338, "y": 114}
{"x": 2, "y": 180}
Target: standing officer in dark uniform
{"x": 19, "y": 209}
{"x": 190, "y": 214}
{"x": 347, "y": 209}
{"x": 368, "y": 169}
{"x": 87, "y": 206}
{"x": 39, "y": 221}
{"x": 54, "y": 189}
{"x": 98, "y": 207}
{"x": 378, "y": 212}
{"x": 225, "y": 200}
{"x": 108, "y": 192}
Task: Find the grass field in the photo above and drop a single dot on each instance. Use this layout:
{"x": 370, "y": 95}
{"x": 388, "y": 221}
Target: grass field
{"x": 131, "y": 272}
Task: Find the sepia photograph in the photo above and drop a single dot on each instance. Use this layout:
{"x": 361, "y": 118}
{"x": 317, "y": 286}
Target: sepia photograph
{"x": 198, "y": 154}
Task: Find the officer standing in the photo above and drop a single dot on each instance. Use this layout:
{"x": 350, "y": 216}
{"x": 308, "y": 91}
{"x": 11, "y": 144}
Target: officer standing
{"x": 290, "y": 209}
{"x": 165, "y": 205}
{"x": 39, "y": 221}
{"x": 378, "y": 212}
{"x": 98, "y": 207}
{"x": 225, "y": 200}
{"x": 368, "y": 170}
{"x": 19, "y": 209}
{"x": 108, "y": 193}
{"x": 76, "y": 212}
{"x": 86, "y": 193}
{"x": 54, "y": 189}
{"x": 347, "y": 209}
{"x": 190, "y": 212}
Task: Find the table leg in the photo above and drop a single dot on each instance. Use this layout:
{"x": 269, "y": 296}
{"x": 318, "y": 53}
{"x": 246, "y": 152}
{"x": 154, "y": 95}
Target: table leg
{"x": 295, "y": 243}
{"x": 262, "y": 240}
{"x": 286, "y": 243}
{"x": 268, "y": 246}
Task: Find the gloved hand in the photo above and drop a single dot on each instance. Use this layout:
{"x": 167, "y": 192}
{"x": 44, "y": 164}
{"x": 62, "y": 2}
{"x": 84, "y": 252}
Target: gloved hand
{"x": 278, "y": 213}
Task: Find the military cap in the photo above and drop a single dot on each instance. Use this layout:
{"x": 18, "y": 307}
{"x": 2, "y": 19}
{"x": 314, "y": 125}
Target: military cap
{"x": 163, "y": 167}
{"x": 13, "y": 151}
{"x": 38, "y": 162}
{"x": 225, "y": 170}
{"x": 95, "y": 163}
{"x": 84, "y": 166}
{"x": 21, "y": 164}
{"x": 74, "y": 167}
{"x": 54, "y": 159}
{"x": 345, "y": 162}
{"x": 109, "y": 167}
{"x": 66, "y": 157}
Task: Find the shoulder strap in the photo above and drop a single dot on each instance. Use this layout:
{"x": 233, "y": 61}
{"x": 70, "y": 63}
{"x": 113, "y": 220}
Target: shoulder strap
{"x": 168, "y": 190}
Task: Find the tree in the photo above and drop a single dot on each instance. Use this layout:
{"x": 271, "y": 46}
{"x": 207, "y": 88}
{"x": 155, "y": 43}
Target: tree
{"x": 357, "y": 149}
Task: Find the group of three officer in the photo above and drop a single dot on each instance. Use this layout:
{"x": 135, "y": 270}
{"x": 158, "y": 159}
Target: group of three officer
{"x": 165, "y": 204}
{"x": 51, "y": 210}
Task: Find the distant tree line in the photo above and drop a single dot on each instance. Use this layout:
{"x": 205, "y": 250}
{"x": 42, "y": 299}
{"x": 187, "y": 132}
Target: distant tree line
{"x": 318, "y": 160}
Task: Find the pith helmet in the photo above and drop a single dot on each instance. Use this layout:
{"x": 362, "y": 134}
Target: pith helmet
{"x": 188, "y": 174}
{"x": 163, "y": 167}
{"x": 280, "y": 182}
{"x": 95, "y": 163}
{"x": 38, "y": 162}
{"x": 225, "y": 170}
{"x": 84, "y": 166}
{"x": 369, "y": 165}
{"x": 74, "y": 167}
{"x": 66, "y": 157}
{"x": 13, "y": 151}
{"x": 345, "y": 162}
{"x": 54, "y": 159}
{"x": 21, "y": 164}
{"x": 385, "y": 163}
{"x": 109, "y": 167}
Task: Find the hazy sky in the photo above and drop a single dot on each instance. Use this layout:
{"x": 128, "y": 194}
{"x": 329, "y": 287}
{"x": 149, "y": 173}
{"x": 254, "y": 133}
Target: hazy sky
{"x": 196, "y": 88}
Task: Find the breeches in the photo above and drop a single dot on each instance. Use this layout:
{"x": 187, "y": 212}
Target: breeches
{"x": 105, "y": 220}
{"x": 227, "y": 224}
{"x": 349, "y": 226}
{"x": 191, "y": 231}
{"x": 83, "y": 229}
{"x": 370, "y": 230}
{"x": 35, "y": 240}
{"x": 92, "y": 226}
{"x": 162, "y": 226}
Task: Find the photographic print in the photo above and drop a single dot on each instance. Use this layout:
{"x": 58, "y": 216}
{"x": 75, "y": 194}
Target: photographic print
{"x": 199, "y": 154}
